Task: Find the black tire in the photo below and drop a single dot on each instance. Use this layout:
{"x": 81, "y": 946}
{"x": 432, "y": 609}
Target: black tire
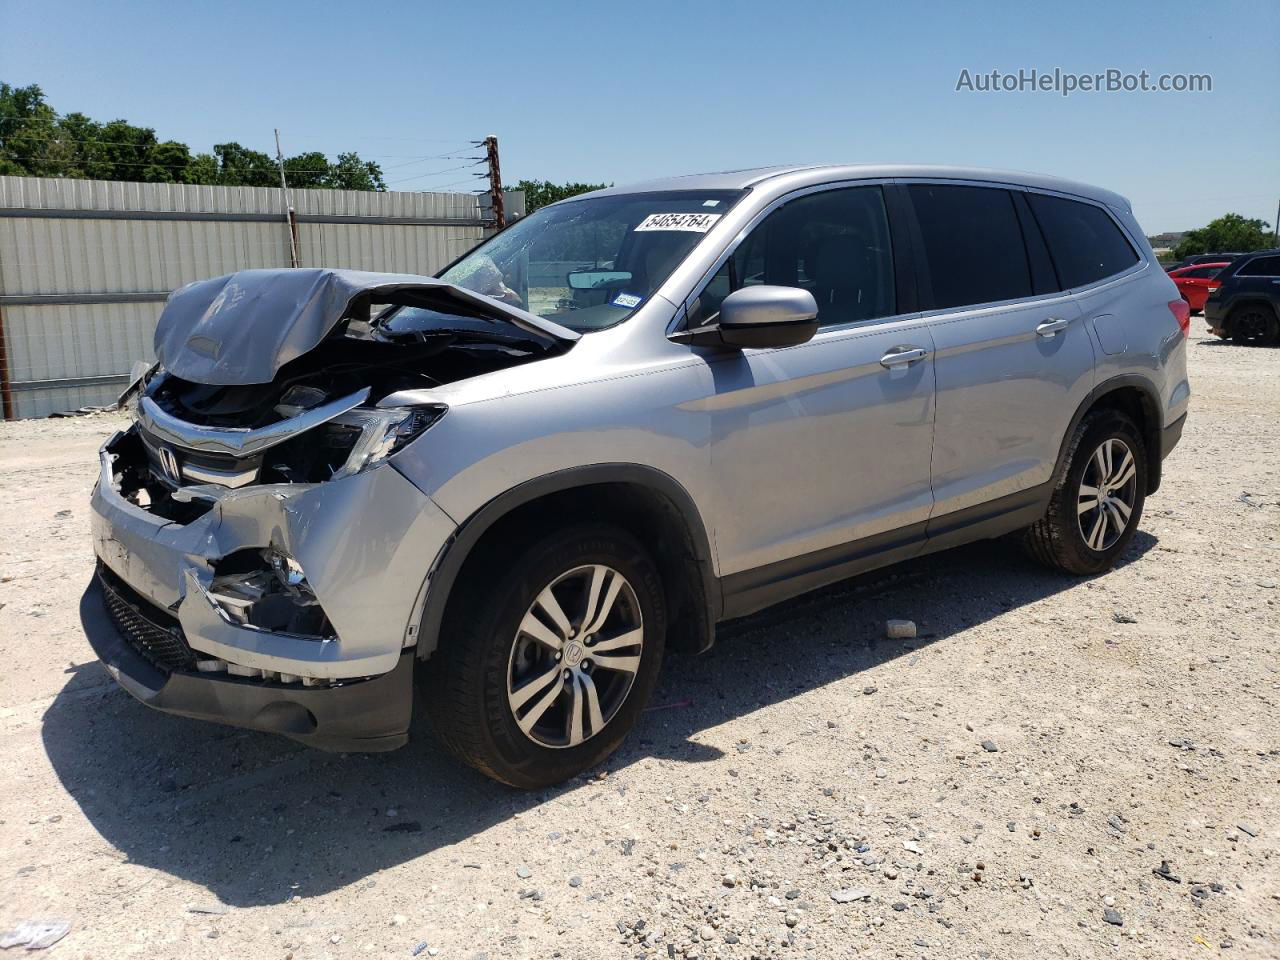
{"x": 1057, "y": 539}
{"x": 1254, "y": 323}
{"x": 465, "y": 683}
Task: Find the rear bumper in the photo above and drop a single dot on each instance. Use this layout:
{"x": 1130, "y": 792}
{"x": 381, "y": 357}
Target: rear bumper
{"x": 1170, "y": 436}
{"x": 360, "y": 716}
{"x": 1215, "y": 317}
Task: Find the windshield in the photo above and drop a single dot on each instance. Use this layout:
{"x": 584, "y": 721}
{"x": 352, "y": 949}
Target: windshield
{"x": 590, "y": 264}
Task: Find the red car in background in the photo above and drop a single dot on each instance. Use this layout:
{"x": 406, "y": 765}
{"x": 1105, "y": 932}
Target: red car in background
{"x": 1195, "y": 282}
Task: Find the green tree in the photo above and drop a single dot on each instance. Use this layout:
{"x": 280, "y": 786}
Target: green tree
{"x": 28, "y": 128}
{"x": 352, "y": 173}
{"x": 241, "y": 167}
{"x": 307, "y": 170}
{"x": 539, "y": 193}
{"x": 36, "y": 142}
{"x": 203, "y": 168}
{"x": 1227, "y": 234}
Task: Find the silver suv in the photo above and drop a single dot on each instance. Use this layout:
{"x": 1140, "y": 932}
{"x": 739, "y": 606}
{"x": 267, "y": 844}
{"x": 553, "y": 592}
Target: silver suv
{"x": 626, "y": 417}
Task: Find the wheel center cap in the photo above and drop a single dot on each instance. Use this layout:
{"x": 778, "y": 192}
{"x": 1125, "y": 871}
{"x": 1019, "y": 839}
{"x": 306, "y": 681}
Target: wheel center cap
{"x": 573, "y": 653}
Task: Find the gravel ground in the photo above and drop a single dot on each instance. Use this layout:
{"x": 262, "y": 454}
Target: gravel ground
{"x": 1007, "y": 785}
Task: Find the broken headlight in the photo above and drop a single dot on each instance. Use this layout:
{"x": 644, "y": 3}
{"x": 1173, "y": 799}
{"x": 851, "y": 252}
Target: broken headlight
{"x": 377, "y": 434}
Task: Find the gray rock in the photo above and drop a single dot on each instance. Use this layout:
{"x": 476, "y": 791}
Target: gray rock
{"x": 1248, "y": 828}
{"x": 990, "y": 746}
{"x": 575, "y": 881}
{"x": 524, "y": 873}
{"x": 849, "y": 895}
{"x": 1112, "y": 916}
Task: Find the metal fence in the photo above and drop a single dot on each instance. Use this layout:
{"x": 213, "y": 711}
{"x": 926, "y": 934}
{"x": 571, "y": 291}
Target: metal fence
{"x": 85, "y": 265}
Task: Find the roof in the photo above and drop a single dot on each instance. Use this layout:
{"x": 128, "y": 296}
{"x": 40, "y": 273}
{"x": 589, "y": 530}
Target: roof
{"x": 805, "y": 174}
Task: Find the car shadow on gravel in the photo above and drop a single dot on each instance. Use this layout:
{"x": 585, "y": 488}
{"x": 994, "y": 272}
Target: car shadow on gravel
{"x": 256, "y": 819}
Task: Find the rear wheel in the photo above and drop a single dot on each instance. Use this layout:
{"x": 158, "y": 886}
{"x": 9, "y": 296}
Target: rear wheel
{"x": 1097, "y": 503}
{"x": 544, "y": 668}
{"x": 1254, "y": 323}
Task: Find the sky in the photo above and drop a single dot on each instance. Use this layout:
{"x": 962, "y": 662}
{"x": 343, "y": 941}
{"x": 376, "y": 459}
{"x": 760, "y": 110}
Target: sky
{"x": 618, "y": 92}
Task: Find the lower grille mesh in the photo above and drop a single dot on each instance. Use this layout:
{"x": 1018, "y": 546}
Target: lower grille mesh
{"x": 150, "y": 631}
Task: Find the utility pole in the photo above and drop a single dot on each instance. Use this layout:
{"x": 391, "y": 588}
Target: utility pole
{"x": 1275, "y": 233}
{"x": 495, "y": 180}
{"x": 290, "y": 218}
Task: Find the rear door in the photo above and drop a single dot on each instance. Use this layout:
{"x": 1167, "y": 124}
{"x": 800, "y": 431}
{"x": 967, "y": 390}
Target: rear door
{"x": 1012, "y": 358}
{"x": 1259, "y": 279}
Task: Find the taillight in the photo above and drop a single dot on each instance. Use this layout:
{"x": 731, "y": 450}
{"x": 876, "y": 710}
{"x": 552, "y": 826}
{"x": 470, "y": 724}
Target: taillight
{"x": 1181, "y": 311}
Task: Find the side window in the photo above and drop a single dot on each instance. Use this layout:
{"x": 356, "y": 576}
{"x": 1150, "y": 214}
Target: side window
{"x": 834, "y": 243}
{"x": 972, "y": 242}
{"x": 1085, "y": 243}
{"x": 1261, "y": 267}
{"x": 1202, "y": 273}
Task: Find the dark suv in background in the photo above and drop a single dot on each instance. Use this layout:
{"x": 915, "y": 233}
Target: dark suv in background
{"x": 1246, "y": 305}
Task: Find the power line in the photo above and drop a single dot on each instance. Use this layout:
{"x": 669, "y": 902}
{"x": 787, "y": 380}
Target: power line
{"x": 436, "y": 173}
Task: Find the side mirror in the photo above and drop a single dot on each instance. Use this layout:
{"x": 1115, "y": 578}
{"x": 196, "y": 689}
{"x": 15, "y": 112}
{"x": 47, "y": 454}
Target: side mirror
{"x": 768, "y": 316}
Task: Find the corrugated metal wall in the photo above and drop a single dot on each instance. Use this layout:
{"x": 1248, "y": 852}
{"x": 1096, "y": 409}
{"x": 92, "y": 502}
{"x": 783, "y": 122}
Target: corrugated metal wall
{"x": 85, "y": 265}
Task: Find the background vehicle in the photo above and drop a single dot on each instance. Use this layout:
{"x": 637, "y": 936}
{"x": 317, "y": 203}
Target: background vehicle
{"x": 1194, "y": 283}
{"x": 1200, "y": 258}
{"x": 630, "y": 415}
{"x": 1246, "y": 304}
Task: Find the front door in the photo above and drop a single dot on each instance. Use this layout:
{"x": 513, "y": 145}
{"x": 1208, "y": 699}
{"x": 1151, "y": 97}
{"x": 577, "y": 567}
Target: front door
{"x": 817, "y": 447}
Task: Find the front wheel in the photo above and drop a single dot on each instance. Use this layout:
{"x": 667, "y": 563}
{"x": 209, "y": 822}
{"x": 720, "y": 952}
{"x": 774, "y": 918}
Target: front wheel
{"x": 1098, "y": 500}
{"x": 544, "y": 666}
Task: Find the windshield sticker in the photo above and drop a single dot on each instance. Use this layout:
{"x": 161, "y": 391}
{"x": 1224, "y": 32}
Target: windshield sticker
{"x": 711, "y": 203}
{"x": 691, "y": 222}
{"x": 627, "y": 300}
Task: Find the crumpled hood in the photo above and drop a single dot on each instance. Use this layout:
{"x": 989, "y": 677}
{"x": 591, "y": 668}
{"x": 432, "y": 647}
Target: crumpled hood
{"x": 242, "y": 328}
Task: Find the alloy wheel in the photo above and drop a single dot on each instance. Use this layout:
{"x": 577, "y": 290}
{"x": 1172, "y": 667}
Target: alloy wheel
{"x": 1252, "y": 323}
{"x": 1108, "y": 491}
{"x": 575, "y": 656}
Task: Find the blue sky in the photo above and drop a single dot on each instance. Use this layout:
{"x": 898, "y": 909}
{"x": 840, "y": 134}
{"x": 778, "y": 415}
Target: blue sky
{"x": 619, "y": 92}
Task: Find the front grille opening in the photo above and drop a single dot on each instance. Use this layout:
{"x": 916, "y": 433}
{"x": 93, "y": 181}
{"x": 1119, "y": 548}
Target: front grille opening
{"x": 134, "y": 477}
{"x": 153, "y": 632}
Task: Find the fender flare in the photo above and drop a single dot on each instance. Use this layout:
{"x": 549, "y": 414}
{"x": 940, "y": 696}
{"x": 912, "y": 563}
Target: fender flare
{"x": 1151, "y": 432}
{"x": 454, "y": 554}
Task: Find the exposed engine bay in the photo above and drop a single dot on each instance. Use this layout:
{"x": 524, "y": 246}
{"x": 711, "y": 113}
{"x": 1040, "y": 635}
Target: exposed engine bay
{"x": 318, "y": 416}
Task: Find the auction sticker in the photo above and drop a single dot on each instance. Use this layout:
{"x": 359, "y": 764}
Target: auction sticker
{"x": 690, "y": 222}
{"x": 628, "y": 300}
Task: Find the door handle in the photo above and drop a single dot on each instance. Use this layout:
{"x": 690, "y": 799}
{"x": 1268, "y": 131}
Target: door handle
{"x": 1052, "y": 326}
{"x": 901, "y": 356}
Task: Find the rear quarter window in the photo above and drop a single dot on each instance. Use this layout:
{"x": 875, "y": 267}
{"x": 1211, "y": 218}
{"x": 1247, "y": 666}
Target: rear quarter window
{"x": 1085, "y": 243}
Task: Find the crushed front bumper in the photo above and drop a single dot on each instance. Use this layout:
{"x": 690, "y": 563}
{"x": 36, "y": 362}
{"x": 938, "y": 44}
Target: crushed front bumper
{"x": 366, "y": 542}
{"x": 368, "y": 715}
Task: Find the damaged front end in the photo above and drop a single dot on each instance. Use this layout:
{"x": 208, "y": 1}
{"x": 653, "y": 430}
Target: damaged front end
{"x": 245, "y": 535}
